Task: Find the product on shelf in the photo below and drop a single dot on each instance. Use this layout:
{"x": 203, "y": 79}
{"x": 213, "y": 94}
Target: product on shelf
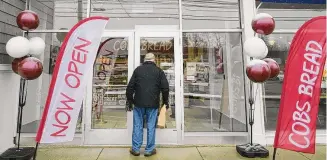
{"x": 111, "y": 75}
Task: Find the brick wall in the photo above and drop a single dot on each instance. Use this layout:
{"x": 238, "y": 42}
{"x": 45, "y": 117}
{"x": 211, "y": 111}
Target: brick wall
{"x": 9, "y": 9}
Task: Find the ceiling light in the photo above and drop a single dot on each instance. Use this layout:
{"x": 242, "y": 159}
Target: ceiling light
{"x": 271, "y": 42}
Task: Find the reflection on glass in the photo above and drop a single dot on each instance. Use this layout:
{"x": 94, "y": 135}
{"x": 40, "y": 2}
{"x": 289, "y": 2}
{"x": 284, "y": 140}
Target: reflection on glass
{"x": 278, "y": 46}
{"x": 126, "y": 14}
{"x": 213, "y": 83}
{"x": 163, "y": 49}
{"x": 291, "y": 15}
{"x": 221, "y": 14}
{"x": 109, "y": 85}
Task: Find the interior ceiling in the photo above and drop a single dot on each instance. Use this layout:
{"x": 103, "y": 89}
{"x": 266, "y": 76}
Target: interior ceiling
{"x": 192, "y": 9}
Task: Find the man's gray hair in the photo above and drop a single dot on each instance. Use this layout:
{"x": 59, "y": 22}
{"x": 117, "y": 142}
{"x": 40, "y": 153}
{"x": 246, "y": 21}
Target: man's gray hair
{"x": 149, "y": 57}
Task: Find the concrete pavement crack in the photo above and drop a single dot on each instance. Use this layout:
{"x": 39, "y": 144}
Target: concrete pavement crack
{"x": 305, "y": 156}
{"x": 199, "y": 153}
{"x": 99, "y": 153}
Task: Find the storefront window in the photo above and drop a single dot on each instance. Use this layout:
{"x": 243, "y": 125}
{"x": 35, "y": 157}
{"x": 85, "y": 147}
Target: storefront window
{"x": 126, "y": 14}
{"x": 199, "y": 14}
{"x": 213, "y": 82}
{"x": 278, "y": 45}
{"x": 291, "y": 15}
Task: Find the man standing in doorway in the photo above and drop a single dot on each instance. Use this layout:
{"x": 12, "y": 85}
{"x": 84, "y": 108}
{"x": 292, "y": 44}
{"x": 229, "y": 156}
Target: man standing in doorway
{"x": 143, "y": 91}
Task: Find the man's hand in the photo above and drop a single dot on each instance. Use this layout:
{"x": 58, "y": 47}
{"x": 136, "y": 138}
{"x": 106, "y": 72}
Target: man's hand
{"x": 167, "y": 105}
{"x": 129, "y": 106}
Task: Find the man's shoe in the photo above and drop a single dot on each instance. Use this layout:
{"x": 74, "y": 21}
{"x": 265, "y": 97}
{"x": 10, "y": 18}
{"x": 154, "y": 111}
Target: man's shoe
{"x": 134, "y": 153}
{"x": 154, "y": 151}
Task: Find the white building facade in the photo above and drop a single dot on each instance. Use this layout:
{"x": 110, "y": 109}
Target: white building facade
{"x": 197, "y": 43}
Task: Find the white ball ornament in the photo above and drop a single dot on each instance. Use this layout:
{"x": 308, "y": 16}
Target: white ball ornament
{"x": 256, "y": 48}
{"x": 37, "y": 46}
{"x": 266, "y": 53}
{"x": 18, "y": 47}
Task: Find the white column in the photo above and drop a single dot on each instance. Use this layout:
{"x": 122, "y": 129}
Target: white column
{"x": 9, "y": 84}
{"x": 248, "y": 10}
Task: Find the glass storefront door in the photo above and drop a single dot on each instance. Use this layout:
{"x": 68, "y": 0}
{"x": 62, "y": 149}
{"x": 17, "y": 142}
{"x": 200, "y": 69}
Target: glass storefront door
{"x": 106, "y": 120}
{"x": 164, "y": 45}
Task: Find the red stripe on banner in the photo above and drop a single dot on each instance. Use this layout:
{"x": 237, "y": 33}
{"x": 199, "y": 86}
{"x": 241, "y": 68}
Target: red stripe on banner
{"x": 55, "y": 73}
{"x": 296, "y": 123}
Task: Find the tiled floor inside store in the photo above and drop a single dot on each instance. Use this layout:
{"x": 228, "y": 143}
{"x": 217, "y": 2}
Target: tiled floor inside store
{"x": 198, "y": 119}
{"x": 117, "y": 119}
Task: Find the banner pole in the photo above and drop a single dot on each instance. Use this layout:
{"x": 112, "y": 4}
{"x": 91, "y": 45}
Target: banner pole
{"x": 20, "y": 117}
{"x": 251, "y": 102}
{"x": 274, "y": 154}
{"x": 35, "y": 151}
{"x": 22, "y": 102}
{"x": 252, "y": 150}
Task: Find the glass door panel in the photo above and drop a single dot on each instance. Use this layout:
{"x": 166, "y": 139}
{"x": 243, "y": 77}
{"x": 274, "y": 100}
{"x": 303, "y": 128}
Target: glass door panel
{"x": 163, "y": 49}
{"x": 164, "y": 45}
{"x": 108, "y": 122}
{"x": 110, "y": 75}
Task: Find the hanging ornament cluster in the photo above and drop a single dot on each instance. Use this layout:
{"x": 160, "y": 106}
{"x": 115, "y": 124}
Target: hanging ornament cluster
{"x": 22, "y": 49}
{"x": 260, "y": 69}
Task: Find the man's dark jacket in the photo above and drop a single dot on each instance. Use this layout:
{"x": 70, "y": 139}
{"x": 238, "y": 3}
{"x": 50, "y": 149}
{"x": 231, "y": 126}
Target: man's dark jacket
{"x": 144, "y": 87}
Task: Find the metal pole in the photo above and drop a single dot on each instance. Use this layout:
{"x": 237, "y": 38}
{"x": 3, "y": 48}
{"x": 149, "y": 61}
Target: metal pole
{"x": 22, "y": 99}
{"x": 27, "y": 4}
{"x": 88, "y": 8}
{"x": 35, "y": 151}
{"x": 259, "y": 6}
{"x": 180, "y": 138}
{"x": 19, "y": 126}
{"x": 79, "y": 10}
{"x": 251, "y": 119}
{"x": 274, "y": 154}
{"x": 22, "y": 102}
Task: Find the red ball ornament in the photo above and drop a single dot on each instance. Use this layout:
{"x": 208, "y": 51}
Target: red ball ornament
{"x": 15, "y": 63}
{"x": 30, "y": 68}
{"x": 258, "y": 71}
{"x": 27, "y": 20}
{"x": 274, "y": 67}
{"x": 263, "y": 23}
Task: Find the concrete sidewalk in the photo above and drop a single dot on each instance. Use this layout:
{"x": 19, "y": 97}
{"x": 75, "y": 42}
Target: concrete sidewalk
{"x": 173, "y": 153}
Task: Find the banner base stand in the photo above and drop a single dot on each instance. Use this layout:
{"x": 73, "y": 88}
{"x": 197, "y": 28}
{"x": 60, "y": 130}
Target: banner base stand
{"x": 252, "y": 151}
{"x": 24, "y": 153}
